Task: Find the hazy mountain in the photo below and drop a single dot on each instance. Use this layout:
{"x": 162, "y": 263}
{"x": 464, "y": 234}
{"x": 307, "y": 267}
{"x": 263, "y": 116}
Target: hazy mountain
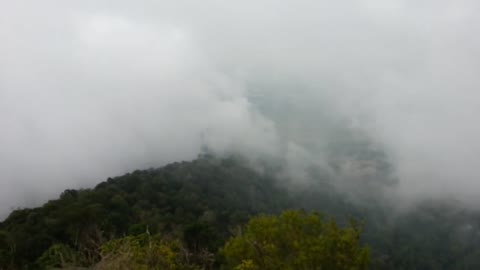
{"x": 220, "y": 193}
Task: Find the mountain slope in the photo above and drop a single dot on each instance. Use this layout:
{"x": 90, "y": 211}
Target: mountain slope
{"x": 201, "y": 201}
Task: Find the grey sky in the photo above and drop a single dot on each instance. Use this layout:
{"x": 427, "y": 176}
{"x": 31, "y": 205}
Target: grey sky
{"x": 93, "y": 89}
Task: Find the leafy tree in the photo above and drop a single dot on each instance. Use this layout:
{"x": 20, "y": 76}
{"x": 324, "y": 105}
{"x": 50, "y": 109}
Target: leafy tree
{"x": 7, "y": 249}
{"x": 57, "y": 256}
{"x": 296, "y": 240}
{"x": 143, "y": 252}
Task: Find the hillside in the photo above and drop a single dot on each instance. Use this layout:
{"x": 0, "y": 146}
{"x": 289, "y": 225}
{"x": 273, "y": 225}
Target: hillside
{"x": 202, "y": 201}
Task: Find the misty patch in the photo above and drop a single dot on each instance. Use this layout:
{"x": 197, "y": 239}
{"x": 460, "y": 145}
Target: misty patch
{"x": 373, "y": 97}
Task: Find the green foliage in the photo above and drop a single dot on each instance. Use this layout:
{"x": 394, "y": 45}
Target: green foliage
{"x": 296, "y": 240}
{"x": 142, "y": 252}
{"x": 7, "y": 249}
{"x": 206, "y": 192}
{"x": 197, "y": 203}
{"x": 57, "y": 256}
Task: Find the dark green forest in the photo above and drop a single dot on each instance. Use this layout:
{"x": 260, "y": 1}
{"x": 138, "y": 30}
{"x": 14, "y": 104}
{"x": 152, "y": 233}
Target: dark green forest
{"x": 204, "y": 213}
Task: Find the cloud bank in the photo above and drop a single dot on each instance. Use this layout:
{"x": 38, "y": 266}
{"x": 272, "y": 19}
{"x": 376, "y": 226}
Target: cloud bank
{"x": 98, "y": 88}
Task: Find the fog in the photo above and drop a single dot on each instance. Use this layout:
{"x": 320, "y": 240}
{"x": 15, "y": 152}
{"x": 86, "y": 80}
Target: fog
{"x": 92, "y": 89}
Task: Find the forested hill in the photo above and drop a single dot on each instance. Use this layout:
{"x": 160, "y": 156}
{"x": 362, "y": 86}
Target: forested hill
{"x": 220, "y": 193}
{"x": 200, "y": 202}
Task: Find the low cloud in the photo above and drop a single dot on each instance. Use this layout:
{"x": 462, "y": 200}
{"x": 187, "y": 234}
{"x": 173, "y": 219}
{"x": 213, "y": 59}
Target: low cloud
{"x": 91, "y": 90}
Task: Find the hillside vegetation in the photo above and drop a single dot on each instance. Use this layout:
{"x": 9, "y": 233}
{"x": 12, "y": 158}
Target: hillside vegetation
{"x": 203, "y": 214}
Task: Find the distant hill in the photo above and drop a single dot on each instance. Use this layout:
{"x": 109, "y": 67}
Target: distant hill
{"x": 202, "y": 201}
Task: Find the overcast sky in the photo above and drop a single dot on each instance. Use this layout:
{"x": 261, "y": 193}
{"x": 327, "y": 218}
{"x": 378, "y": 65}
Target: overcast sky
{"x": 92, "y": 89}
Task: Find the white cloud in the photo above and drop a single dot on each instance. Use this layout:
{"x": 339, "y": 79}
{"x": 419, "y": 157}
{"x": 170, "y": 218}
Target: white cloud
{"x": 95, "y": 88}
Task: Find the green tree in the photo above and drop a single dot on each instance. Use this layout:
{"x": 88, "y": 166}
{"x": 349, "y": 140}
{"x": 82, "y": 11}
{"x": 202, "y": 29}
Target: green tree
{"x": 296, "y": 240}
{"x": 143, "y": 252}
{"x": 57, "y": 256}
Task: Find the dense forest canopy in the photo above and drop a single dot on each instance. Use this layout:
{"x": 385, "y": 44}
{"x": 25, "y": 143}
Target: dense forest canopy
{"x": 198, "y": 205}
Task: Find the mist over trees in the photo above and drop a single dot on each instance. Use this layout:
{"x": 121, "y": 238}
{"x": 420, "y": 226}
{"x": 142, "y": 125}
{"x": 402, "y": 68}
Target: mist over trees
{"x": 197, "y": 213}
{"x": 247, "y": 113}
{"x": 90, "y": 90}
